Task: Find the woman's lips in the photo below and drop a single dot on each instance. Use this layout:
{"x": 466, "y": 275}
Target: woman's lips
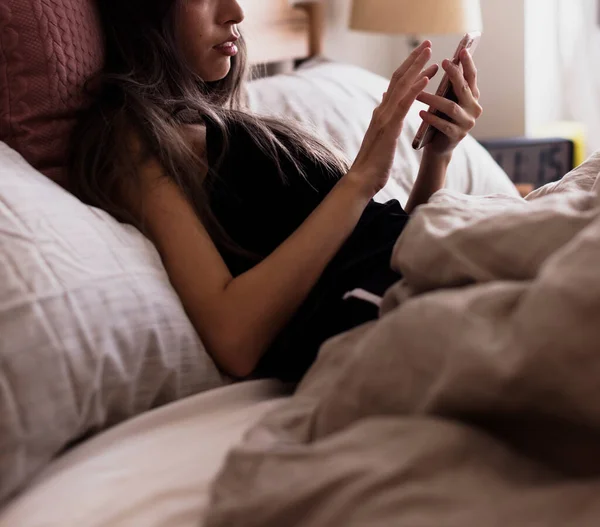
{"x": 229, "y": 49}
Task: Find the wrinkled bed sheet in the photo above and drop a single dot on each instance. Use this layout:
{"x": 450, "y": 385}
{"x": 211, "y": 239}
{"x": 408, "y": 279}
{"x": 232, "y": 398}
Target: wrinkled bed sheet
{"x": 473, "y": 401}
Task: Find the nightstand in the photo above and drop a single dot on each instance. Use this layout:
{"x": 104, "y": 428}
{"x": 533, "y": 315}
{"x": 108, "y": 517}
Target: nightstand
{"x": 533, "y": 162}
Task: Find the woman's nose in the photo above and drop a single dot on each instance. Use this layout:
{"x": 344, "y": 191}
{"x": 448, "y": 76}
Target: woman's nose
{"x": 232, "y": 12}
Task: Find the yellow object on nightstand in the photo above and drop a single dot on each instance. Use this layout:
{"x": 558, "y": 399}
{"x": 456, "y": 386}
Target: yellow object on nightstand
{"x": 571, "y": 130}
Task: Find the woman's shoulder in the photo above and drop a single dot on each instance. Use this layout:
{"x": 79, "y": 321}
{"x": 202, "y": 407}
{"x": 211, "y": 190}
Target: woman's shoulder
{"x": 193, "y": 136}
{"x": 147, "y": 169}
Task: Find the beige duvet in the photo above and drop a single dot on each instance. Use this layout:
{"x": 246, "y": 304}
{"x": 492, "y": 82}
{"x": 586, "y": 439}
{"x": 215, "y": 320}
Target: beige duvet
{"x": 473, "y": 401}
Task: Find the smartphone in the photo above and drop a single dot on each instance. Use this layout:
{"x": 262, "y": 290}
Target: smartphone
{"x": 426, "y": 132}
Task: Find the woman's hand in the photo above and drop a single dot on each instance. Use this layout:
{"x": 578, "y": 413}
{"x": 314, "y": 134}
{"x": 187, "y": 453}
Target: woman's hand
{"x": 371, "y": 169}
{"x": 463, "y": 114}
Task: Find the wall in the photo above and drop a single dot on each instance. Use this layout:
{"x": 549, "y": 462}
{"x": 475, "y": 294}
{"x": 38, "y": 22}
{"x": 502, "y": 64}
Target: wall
{"x": 518, "y": 61}
{"x": 366, "y": 50}
{"x": 500, "y": 62}
{"x": 501, "y": 66}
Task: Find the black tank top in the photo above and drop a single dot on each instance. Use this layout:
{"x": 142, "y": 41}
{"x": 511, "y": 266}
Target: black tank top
{"x": 259, "y": 211}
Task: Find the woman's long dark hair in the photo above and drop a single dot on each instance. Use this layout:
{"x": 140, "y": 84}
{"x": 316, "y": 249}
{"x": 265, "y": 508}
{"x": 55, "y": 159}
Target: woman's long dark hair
{"x": 147, "y": 88}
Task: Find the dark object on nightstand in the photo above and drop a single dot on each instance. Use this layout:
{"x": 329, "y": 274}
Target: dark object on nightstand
{"x": 533, "y": 162}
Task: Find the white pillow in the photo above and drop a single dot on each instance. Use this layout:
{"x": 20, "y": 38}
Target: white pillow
{"x": 91, "y": 331}
{"x": 338, "y": 101}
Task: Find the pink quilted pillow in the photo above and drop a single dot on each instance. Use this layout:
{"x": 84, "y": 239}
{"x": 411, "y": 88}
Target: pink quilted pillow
{"x": 48, "y": 49}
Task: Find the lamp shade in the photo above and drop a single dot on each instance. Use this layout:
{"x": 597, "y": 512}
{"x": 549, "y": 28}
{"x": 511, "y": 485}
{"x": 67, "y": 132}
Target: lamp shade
{"x": 416, "y": 17}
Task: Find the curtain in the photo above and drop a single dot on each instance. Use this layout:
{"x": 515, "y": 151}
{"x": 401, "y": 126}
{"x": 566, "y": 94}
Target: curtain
{"x": 579, "y": 45}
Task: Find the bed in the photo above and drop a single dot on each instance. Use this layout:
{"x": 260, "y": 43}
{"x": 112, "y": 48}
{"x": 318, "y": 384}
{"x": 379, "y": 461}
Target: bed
{"x": 143, "y": 430}
{"x": 153, "y": 470}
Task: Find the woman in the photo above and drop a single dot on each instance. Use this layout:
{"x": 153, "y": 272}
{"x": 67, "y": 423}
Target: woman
{"x": 262, "y": 228}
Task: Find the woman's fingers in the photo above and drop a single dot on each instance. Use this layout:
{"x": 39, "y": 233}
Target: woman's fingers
{"x": 413, "y": 73}
{"x": 400, "y": 75}
{"x": 401, "y": 71}
{"x": 431, "y": 71}
{"x": 454, "y": 111}
{"x": 451, "y": 130}
{"x": 416, "y": 68}
{"x": 461, "y": 86}
{"x": 470, "y": 72}
{"x": 404, "y": 105}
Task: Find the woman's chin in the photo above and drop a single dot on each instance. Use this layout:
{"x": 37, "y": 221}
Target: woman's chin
{"x": 219, "y": 72}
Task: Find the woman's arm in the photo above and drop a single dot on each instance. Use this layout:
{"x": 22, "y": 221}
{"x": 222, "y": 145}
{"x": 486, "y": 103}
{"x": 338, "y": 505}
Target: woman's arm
{"x": 238, "y": 318}
{"x": 464, "y": 114}
{"x": 431, "y": 178}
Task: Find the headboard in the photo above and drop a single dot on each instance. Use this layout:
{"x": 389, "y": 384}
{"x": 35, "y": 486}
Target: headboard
{"x": 277, "y": 31}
